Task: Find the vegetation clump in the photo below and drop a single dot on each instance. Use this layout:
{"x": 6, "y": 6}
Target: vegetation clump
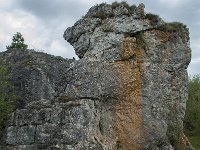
{"x": 192, "y": 114}
{"x": 17, "y": 42}
{"x": 117, "y": 4}
{"x": 171, "y": 27}
{"x": 195, "y": 141}
{"x": 7, "y": 96}
{"x": 130, "y": 9}
{"x": 138, "y": 35}
{"x": 100, "y": 14}
{"x": 153, "y": 18}
{"x": 139, "y": 38}
{"x": 166, "y": 27}
{"x": 103, "y": 15}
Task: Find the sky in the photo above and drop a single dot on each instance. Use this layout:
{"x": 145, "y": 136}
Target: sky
{"x": 43, "y": 22}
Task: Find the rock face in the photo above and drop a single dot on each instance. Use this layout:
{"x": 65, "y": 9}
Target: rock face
{"x": 128, "y": 91}
{"x": 35, "y": 75}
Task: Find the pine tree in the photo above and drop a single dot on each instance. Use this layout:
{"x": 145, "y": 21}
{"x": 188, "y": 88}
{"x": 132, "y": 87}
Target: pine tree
{"x": 17, "y": 42}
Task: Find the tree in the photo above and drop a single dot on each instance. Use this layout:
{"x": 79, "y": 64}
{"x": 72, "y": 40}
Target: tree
{"x": 17, "y": 42}
{"x": 192, "y": 116}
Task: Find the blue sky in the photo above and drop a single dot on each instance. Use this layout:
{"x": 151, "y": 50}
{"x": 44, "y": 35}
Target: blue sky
{"x": 42, "y": 22}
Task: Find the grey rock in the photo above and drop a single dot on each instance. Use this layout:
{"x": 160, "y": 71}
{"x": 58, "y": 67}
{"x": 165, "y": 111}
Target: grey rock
{"x": 35, "y": 75}
{"x": 11, "y": 135}
{"x": 25, "y": 135}
{"x": 121, "y": 10}
{"x": 103, "y": 9}
{"x": 128, "y": 90}
{"x": 92, "y": 28}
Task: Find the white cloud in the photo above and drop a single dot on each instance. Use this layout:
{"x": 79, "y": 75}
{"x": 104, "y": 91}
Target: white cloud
{"x": 172, "y": 3}
{"x": 37, "y": 34}
{"x": 58, "y": 48}
{"x": 17, "y": 21}
{"x": 5, "y": 3}
{"x": 193, "y": 68}
{"x": 195, "y": 46}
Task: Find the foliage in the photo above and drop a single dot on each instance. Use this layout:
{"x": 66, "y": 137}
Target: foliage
{"x": 100, "y": 14}
{"x": 117, "y": 4}
{"x": 138, "y": 35}
{"x": 17, "y": 42}
{"x": 195, "y": 141}
{"x": 103, "y": 15}
{"x": 130, "y": 9}
{"x": 139, "y": 38}
{"x": 171, "y": 27}
{"x": 153, "y": 18}
{"x": 192, "y": 116}
{"x": 7, "y": 98}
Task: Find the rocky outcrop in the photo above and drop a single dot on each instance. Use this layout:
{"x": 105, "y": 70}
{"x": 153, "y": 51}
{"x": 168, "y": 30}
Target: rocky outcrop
{"x": 128, "y": 91}
{"x": 35, "y": 75}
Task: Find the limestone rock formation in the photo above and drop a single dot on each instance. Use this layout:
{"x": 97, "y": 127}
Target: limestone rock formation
{"x": 128, "y": 91}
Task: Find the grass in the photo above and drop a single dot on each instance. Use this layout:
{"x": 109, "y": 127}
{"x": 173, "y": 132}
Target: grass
{"x": 130, "y": 9}
{"x": 103, "y": 15}
{"x": 100, "y": 15}
{"x": 172, "y": 27}
{"x": 153, "y": 18}
{"x": 195, "y": 141}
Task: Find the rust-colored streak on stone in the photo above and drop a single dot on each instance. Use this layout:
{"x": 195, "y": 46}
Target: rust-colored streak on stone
{"x": 163, "y": 37}
{"x": 128, "y": 110}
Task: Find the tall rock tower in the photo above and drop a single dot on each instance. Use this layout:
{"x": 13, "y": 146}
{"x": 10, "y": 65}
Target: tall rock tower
{"x": 135, "y": 66}
{"x": 127, "y": 91}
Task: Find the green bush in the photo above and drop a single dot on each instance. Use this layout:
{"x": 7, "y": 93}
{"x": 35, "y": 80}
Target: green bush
{"x": 192, "y": 115}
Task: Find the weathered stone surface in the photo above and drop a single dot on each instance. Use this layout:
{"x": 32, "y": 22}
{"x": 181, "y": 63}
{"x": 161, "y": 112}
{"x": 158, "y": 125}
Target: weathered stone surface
{"x": 61, "y": 125}
{"x": 127, "y": 92}
{"x": 98, "y": 31}
{"x": 141, "y": 74}
{"x": 35, "y": 75}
